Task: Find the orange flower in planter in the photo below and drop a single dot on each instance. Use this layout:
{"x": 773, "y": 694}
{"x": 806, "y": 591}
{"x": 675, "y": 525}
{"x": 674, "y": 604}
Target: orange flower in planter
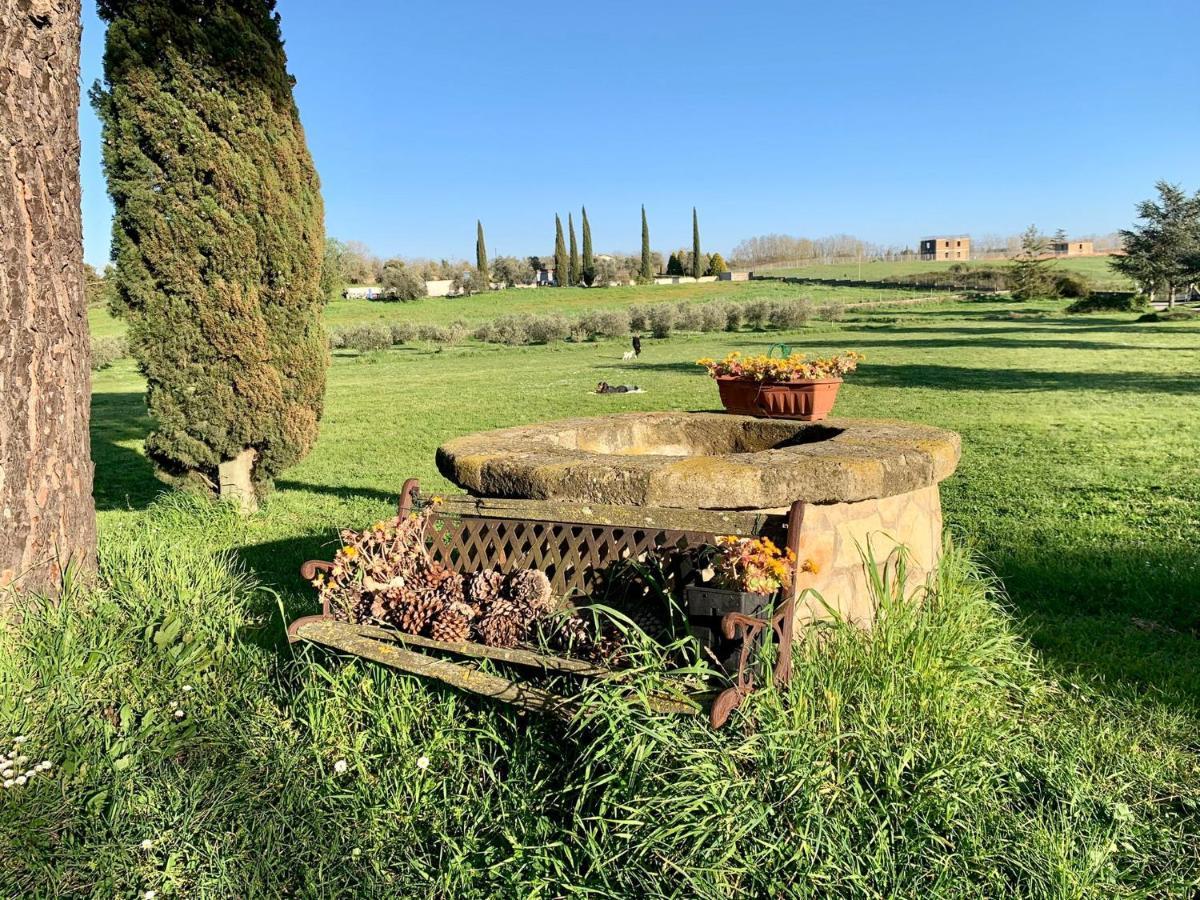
{"x": 783, "y": 370}
{"x": 756, "y": 565}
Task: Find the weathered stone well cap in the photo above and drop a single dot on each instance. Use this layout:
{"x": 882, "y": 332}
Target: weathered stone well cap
{"x": 701, "y": 460}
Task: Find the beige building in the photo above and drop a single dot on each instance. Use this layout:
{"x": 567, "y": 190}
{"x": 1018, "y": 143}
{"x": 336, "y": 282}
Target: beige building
{"x": 954, "y": 247}
{"x": 1072, "y": 248}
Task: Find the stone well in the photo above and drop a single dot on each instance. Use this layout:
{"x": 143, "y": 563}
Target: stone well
{"x": 863, "y": 480}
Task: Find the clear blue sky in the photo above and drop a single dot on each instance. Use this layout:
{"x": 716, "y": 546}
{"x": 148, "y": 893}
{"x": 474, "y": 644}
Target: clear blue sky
{"x": 870, "y": 118}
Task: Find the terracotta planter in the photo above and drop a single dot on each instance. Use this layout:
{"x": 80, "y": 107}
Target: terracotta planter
{"x": 809, "y": 401}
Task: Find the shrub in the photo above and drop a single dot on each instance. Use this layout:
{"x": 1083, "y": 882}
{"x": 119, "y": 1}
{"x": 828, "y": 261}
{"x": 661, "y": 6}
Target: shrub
{"x": 661, "y": 319}
{"x": 403, "y": 332}
{"x": 687, "y": 317}
{"x": 598, "y": 323}
{"x": 1072, "y": 285}
{"x": 639, "y": 318}
{"x": 716, "y": 265}
{"x": 366, "y": 337}
{"x": 713, "y": 315}
{"x": 448, "y": 335}
{"x": 337, "y": 339}
{"x": 831, "y": 312}
{"x": 785, "y": 314}
{"x": 547, "y": 329}
{"x": 755, "y": 314}
{"x": 1109, "y": 301}
{"x": 401, "y": 283}
{"x": 511, "y": 330}
{"x": 107, "y": 350}
{"x": 733, "y": 317}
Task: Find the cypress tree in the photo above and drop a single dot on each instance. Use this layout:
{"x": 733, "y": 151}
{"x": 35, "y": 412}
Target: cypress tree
{"x": 218, "y": 235}
{"x": 589, "y": 261}
{"x": 560, "y": 253}
{"x": 481, "y": 260}
{"x": 646, "y": 274}
{"x": 697, "y": 266}
{"x": 573, "y": 272}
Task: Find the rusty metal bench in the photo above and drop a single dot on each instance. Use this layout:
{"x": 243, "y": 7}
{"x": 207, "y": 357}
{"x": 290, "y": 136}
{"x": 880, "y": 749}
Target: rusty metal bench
{"x": 576, "y": 545}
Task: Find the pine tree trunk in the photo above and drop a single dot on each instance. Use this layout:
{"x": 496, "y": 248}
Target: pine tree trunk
{"x": 47, "y": 515}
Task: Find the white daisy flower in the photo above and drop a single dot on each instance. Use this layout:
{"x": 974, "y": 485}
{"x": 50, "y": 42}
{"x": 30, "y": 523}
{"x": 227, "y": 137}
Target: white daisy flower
{"x": 179, "y": 713}
{"x": 147, "y": 844}
{"x": 340, "y": 766}
{"x": 422, "y": 762}
{"x": 8, "y": 782}
{"x": 21, "y": 779}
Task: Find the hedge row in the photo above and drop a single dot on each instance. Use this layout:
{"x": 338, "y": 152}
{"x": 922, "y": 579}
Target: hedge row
{"x": 659, "y": 321}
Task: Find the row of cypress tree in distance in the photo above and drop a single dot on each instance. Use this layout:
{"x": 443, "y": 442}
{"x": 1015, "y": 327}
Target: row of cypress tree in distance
{"x": 582, "y": 269}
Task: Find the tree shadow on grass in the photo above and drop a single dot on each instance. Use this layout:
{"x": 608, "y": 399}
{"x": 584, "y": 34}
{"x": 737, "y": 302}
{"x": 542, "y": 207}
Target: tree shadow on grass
{"x": 957, "y": 378}
{"x": 124, "y": 478}
{"x": 1126, "y": 614}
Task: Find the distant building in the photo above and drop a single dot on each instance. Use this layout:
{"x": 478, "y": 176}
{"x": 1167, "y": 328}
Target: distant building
{"x": 544, "y": 275}
{"x": 1072, "y": 248}
{"x": 362, "y": 292}
{"x": 955, "y": 247}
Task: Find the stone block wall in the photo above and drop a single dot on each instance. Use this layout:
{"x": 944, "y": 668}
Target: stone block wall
{"x": 834, "y": 533}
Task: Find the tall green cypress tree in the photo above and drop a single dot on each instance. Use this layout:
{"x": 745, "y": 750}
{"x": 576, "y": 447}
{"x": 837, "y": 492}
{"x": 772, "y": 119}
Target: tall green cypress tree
{"x": 697, "y": 266}
{"x": 589, "y": 261}
{"x": 481, "y": 260}
{"x": 573, "y": 271}
{"x": 646, "y": 274}
{"x": 218, "y": 234}
{"x": 560, "y": 254}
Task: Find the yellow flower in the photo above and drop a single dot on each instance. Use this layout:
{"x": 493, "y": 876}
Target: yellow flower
{"x": 436, "y": 499}
{"x": 350, "y": 551}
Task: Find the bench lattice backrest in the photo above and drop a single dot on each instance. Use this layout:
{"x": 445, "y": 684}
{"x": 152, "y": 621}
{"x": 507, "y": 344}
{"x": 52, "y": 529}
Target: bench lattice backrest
{"x": 576, "y": 545}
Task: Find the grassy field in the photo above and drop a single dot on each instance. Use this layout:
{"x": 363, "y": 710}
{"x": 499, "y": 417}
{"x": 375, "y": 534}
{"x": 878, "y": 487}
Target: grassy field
{"x": 1083, "y": 506}
{"x": 1096, "y": 268}
{"x": 1040, "y": 743}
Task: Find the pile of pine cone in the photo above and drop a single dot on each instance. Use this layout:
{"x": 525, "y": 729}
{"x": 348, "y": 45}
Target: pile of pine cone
{"x": 384, "y": 576}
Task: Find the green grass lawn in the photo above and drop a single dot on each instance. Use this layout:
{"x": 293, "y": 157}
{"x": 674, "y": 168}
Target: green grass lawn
{"x": 1096, "y": 268}
{"x": 1041, "y": 744}
{"x": 1077, "y": 481}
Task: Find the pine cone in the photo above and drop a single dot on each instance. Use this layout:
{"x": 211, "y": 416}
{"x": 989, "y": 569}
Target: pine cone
{"x": 505, "y": 624}
{"x": 450, "y": 588}
{"x": 573, "y": 635}
{"x": 610, "y": 649}
{"x": 451, "y": 626}
{"x": 416, "y": 612}
{"x": 530, "y": 588}
{"x": 484, "y": 587}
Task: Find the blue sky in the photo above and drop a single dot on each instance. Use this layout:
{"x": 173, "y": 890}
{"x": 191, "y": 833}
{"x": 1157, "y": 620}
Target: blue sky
{"x": 869, "y": 118}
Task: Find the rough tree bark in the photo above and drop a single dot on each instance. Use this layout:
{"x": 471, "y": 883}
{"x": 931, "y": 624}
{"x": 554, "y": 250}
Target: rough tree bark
{"x": 47, "y": 515}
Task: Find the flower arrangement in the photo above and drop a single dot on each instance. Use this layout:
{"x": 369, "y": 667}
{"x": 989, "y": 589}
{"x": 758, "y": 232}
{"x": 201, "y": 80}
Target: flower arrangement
{"x": 755, "y": 565}
{"x": 782, "y": 370}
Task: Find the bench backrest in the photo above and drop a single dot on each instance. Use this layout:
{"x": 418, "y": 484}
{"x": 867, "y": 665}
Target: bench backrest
{"x": 576, "y": 545}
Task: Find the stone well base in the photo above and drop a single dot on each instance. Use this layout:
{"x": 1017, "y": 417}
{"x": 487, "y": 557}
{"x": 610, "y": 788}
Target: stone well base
{"x": 835, "y": 537}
